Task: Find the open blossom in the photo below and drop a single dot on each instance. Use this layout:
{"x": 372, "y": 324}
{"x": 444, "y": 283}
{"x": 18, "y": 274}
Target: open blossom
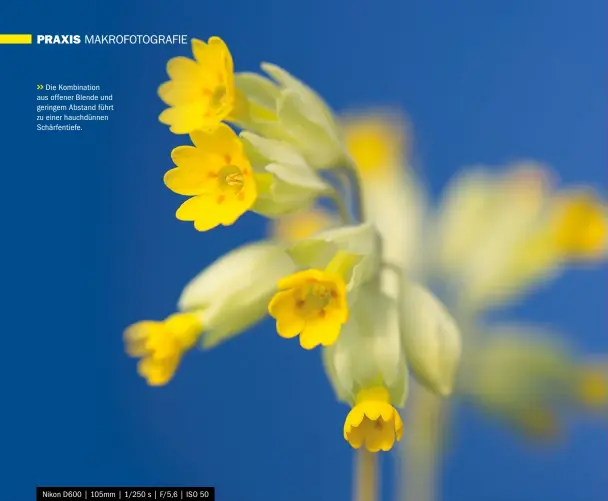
{"x": 375, "y": 142}
{"x": 311, "y": 304}
{"x": 373, "y": 421}
{"x": 592, "y": 387}
{"x": 161, "y": 345}
{"x": 201, "y": 91}
{"x": 217, "y": 175}
{"x": 302, "y": 225}
{"x": 580, "y": 226}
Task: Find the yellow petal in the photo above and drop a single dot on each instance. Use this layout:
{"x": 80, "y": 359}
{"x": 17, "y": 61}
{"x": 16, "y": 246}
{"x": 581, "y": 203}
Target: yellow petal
{"x": 299, "y": 278}
{"x": 289, "y": 327}
{"x": 581, "y": 227}
{"x": 221, "y": 49}
{"x": 197, "y": 208}
{"x": 185, "y": 328}
{"x": 187, "y": 182}
{"x": 319, "y": 332}
{"x": 373, "y": 409}
{"x": 222, "y": 141}
{"x": 199, "y": 50}
{"x": 387, "y": 437}
{"x": 178, "y": 93}
{"x": 282, "y": 304}
{"x": 398, "y": 426}
{"x": 157, "y": 373}
{"x": 592, "y": 387}
{"x": 189, "y": 156}
{"x": 337, "y": 310}
{"x": 376, "y": 142}
{"x": 183, "y": 69}
{"x": 354, "y": 418}
{"x": 212, "y": 55}
{"x": 205, "y": 223}
{"x": 189, "y": 117}
{"x": 136, "y": 335}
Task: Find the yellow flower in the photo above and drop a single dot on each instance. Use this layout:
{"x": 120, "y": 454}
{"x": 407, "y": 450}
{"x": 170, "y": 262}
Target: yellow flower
{"x": 201, "y": 92}
{"x": 373, "y": 421}
{"x": 311, "y": 303}
{"x": 161, "y": 345}
{"x": 592, "y": 388}
{"x": 217, "y": 175}
{"x": 581, "y": 226}
{"x": 301, "y": 225}
{"x": 375, "y": 143}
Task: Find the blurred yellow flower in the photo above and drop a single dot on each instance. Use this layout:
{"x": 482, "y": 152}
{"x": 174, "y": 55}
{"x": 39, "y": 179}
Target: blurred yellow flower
{"x": 375, "y": 143}
{"x": 592, "y": 387}
{"x": 310, "y": 303}
{"x": 581, "y": 226}
{"x": 301, "y": 225}
{"x": 539, "y": 422}
{"x": 160, "y": 345}
{"x": 373, "y": 421}
{"x": 201, "y": 92}
{"x": 217, "y": 175}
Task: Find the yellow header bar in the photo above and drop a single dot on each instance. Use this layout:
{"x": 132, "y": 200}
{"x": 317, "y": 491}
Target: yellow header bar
{"x": 15, "y": 39}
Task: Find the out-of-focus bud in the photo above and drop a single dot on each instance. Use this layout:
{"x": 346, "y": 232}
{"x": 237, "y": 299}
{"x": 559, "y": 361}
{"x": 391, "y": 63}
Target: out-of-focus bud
{"x": 302, "y": 225}
{"x": 538, "y": 423}
{"x": 579, "y": 225}
{"x": 430, "y": 337}
{"x": 234, "y": 291}
{"x": 591, "y": 386}
{"x": 377, "y": 141}
{"x": 515, "y": 370}
{"x": 462, "y": 218}
{"x": 290, "y": 111}
{"x": 484, "y": 222}
{"x": 499, "y": 235}
{"x": 285, "y": 182}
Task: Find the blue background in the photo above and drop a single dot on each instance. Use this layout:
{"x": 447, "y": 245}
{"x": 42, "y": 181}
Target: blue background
{"x": 91, "y": 244}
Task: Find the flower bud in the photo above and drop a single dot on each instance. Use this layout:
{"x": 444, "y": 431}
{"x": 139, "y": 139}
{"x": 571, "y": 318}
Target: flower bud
{"x": 516, "y": 369}
{"x": 368, "y": 352}
{"x": 286, "y": 184}
{"x": 234, "y": 291}
{"x": 431, "y": 338}
{"x": 290, "y": 111}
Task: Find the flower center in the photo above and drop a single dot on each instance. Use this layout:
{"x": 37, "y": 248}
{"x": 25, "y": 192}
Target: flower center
{"x": 231, "y": 179}
{"x": 317, "y": 296}
{"x": 218, "y": 96}
{"x": 314, "y": 298}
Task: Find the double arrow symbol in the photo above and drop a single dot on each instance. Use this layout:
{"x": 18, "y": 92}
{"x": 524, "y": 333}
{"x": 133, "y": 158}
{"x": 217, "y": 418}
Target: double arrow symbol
{"x": 39, "y": 86}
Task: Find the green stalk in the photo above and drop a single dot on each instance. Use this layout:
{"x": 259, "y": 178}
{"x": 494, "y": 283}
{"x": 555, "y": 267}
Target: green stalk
{"x": 422, "y": 447}
{"x": 366, "y": 476}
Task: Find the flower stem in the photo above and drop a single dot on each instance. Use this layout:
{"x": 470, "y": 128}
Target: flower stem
{"x": 366, "y": 476}
{"x": 422, "y": 447}
{"x": 354, "y": 178}
{"x": 341, "y": 206}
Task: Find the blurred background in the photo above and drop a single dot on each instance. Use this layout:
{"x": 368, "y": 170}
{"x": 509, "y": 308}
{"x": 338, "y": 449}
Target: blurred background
{"x": 93, "y": 243}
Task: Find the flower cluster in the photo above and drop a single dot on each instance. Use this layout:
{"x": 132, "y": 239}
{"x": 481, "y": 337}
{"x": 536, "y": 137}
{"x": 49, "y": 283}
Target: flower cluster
{"x": 270, "y": 145}
{"x": 355, "y": 279}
